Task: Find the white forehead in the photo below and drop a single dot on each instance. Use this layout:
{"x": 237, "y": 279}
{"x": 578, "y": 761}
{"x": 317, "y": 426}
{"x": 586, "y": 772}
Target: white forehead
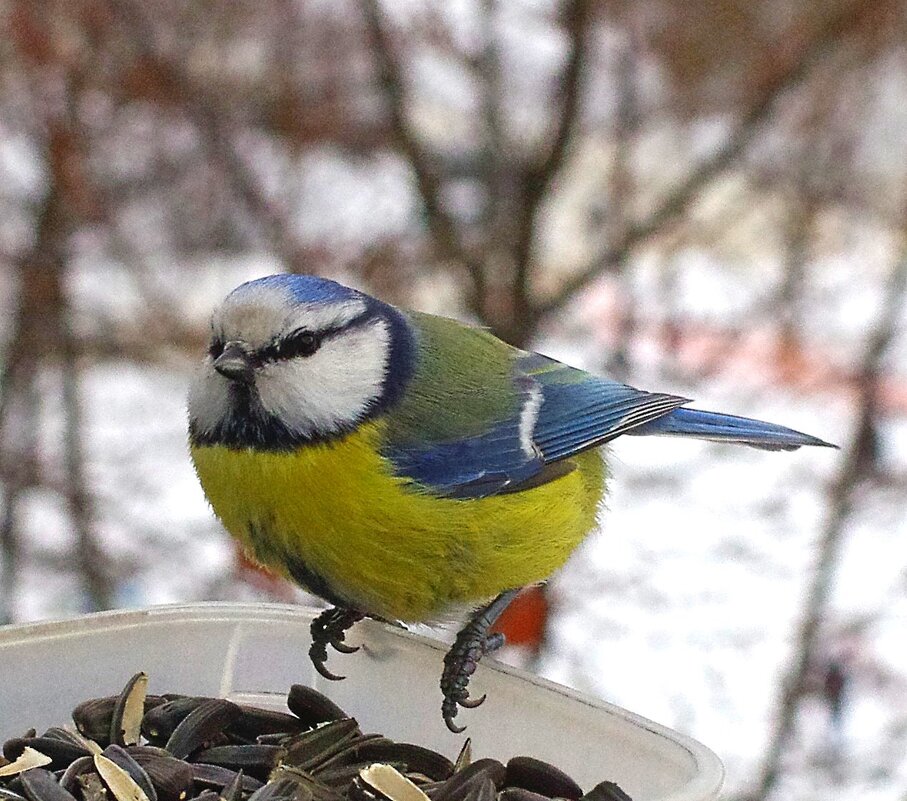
{"x": 261, "y": 312}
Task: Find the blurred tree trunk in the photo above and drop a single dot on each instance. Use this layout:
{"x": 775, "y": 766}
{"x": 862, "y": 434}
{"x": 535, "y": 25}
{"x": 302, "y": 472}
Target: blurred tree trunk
{"x": 43, "y": 339}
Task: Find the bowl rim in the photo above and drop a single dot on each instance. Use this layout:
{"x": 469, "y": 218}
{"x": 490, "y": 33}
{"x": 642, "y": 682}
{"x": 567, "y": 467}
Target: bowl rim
{"x": 709, "y": 771}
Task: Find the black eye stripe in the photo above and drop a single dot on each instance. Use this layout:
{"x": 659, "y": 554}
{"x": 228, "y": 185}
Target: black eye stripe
{"x": 299, "y": 343}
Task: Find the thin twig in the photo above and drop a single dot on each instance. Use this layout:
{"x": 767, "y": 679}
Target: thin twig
{"x": 539, "y": 177}
{"x": 445, "y": 237}
{"x": 842, "y": 495}
{"x": 783, "y": 82}
{"x": 217, "y": 136}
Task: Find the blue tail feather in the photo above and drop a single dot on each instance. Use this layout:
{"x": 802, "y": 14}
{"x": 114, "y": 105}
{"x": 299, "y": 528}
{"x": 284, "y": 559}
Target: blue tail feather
{"x": 728, "y": 428}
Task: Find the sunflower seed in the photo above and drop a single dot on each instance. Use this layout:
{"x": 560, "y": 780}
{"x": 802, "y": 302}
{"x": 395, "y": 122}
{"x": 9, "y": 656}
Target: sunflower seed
{"x": 76, "y": 768}
{"x": 219, "y": 777}
{"x": 73, "y": 738}
{"x": 283, "y": 789}
{"x": 389, "y": 783}
{"x": 28, "y": 759}
{"x": 520, "y": 794}
{"x": 541, "y": 777}
{"x": 311, "y": 706}
{"x": 160, "y": 721}
{"x": 606, "y": 791}
{"x": 118, "y": 781}
{"x": 415, "y": 758}
{"x": 339, "y": 777}
{"x": 483, "y": 790}
{"x": 61, "y": 753}
{"x": 255, "y": 722}
{"x": 233, "y": 791}
{"x": 93, "y": 717}
{"x": 142, "y": 751}
{"x": 126, "y": 718}
{"x": 170, "y": 777}
{"x": 127, "y": 762}
{"x": 312, "y": 748}
{"x": 39, "y": 784}
{"x": 257, "y": 760}
{"x": 201, "y": 726}
{"x": 464, "y": 757}
{"x": 459, "y": 785}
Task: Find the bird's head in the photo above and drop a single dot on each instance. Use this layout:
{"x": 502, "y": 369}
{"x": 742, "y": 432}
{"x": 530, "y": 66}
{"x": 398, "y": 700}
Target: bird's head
{"x": 295, "y": 358}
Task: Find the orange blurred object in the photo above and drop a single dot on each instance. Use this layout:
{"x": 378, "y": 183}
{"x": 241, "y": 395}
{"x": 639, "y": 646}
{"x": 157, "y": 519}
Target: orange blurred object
{"x": 263, "y": 579}
{"x": 523, "y": 622}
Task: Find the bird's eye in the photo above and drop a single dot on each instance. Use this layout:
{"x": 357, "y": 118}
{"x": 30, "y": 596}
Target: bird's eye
{"x": 216, "y": 348}
{"x": 302, "y": 343}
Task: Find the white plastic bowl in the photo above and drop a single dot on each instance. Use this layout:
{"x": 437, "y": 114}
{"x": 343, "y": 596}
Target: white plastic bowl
{"x": 254, "y": 652}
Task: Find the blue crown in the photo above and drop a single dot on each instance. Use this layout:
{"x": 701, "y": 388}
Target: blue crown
{"x": 303, "y": 288}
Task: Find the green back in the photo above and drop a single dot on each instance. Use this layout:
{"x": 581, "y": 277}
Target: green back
{"x": 463, "y": 383}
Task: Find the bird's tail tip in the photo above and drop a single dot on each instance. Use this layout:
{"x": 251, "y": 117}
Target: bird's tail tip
{"x": 719, "y": 427}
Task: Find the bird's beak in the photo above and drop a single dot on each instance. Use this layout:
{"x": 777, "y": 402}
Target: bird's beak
{"x": 234, "y": 363}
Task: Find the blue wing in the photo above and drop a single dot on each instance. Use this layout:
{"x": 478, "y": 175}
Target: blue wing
{"x": 478, "y": 465}
{"x": 558, "y": 412}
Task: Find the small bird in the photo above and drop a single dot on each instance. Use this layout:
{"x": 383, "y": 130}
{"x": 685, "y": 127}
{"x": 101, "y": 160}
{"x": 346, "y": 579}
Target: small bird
{"x": 404, "y": 466}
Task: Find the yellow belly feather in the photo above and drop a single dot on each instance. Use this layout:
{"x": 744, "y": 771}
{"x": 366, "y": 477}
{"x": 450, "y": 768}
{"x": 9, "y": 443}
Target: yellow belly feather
{"x": 396, "y": 552}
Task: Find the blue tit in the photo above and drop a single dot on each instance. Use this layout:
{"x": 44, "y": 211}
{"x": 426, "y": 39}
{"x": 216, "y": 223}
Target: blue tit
{"x": 402, "y": 465}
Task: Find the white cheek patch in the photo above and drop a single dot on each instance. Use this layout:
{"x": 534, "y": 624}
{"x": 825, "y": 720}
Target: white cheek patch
{"x": 331, "y": 389}
{"x": 209, "y": 399}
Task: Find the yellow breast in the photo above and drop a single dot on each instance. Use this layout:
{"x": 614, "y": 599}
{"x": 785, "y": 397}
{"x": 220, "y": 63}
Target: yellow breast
{"x": 387, "y": 547}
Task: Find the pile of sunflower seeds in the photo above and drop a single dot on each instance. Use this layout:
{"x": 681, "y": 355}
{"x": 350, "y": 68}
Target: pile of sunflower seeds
{"x": 139, "y": 747}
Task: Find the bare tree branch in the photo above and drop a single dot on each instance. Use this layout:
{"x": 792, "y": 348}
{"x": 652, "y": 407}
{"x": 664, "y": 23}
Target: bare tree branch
{"x": 67, "y": 200}
{"x": 92, "y": 563}
{"x": 487, "y": 70}
{"x": 539, "y": 177}
{"x": 447, "y": 242}
{"x": 217, "y": 136}
{"x": 620, "y": 193}
{"x": 841, "y": 502}
{"x": 15, "y": 382}
{"x": 784, "y": 80}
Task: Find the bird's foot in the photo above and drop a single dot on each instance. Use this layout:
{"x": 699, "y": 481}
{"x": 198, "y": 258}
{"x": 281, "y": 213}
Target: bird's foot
{"x": 460, "y": 662}
{"x": 330, "y": 628}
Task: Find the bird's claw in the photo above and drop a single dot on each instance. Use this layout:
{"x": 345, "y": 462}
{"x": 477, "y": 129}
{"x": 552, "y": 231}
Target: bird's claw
{"x": 461, "y": 661}
{"x": 330, "y": 628}
{"x": 472, "y": 703}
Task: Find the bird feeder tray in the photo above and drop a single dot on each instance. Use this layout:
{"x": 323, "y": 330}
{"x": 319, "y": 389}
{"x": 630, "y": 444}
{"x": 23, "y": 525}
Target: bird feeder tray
{"x": 252, "y": 653}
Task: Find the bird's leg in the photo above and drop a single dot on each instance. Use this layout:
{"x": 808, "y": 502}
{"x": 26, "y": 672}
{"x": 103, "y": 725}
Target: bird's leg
{"x": 460, "y": 662}
{"x": 330, "y": 628}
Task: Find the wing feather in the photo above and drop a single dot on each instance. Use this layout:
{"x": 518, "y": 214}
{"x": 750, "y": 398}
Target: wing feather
{"x": 555, "y": 412}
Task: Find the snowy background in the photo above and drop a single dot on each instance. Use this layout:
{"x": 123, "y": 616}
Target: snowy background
{"x": 708, "y": 202}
